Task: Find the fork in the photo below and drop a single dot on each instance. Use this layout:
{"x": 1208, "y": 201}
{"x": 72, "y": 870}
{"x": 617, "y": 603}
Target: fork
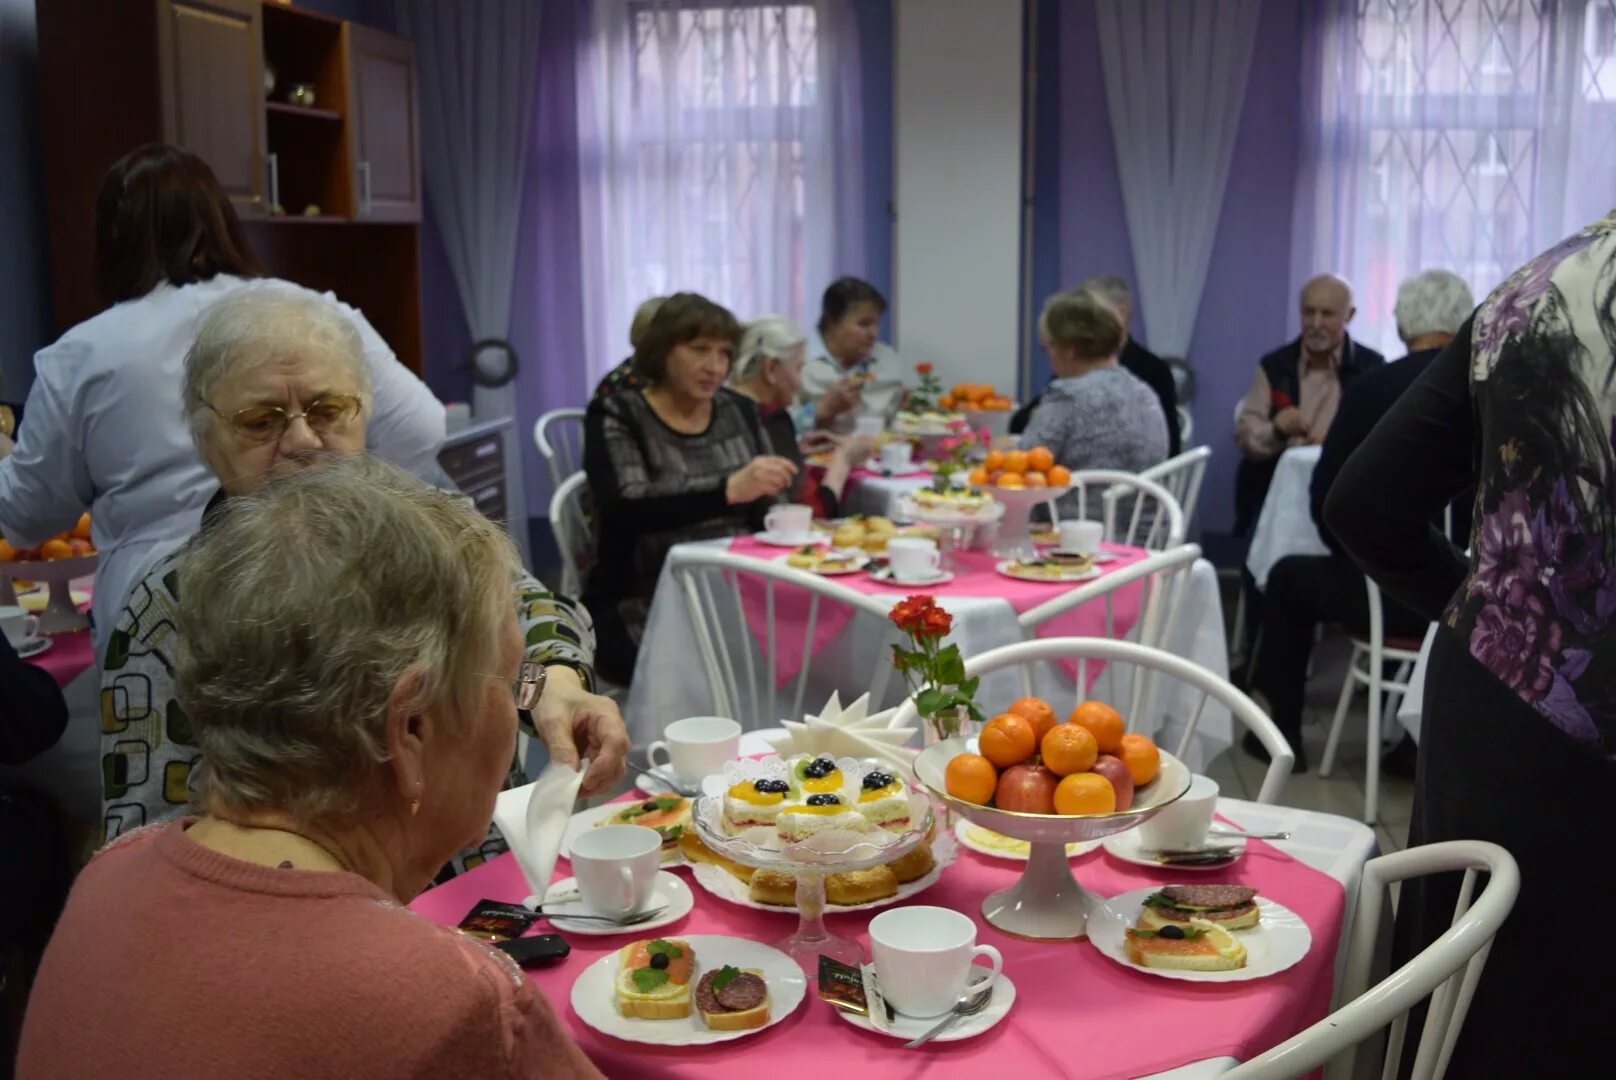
{"x": 963, "y": 1007}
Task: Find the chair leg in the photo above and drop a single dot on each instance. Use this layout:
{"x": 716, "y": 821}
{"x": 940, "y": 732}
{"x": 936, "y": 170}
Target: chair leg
{"x": 1239, "y": 634}
{"x": 1348, "y": 686}
{"x": 1372, "y": 747}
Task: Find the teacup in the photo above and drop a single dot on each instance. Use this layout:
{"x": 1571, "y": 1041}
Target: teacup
{"x": 790, "y": 521}
{"x": 616, "y": 867}
{"x": 897, "y": 457}
{"x": 1081, "y": 537}
{"x": 868, "y": 426}
{"x": 1184, "y": 823}
{"x": 697, "y": 746}
{"x": 913, "y": 559}
{"x": 923, "y": 958}
{"x": 18, "y": 625}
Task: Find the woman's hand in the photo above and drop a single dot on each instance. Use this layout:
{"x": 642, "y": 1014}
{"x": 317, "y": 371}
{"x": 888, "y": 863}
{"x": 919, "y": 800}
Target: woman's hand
{"x": 843, "y": 396}
{"x": 819, "y": 442}
{"x": 574, "y": 724}
{"x": 857, "y": 449}
{"x": 759, "y": 478}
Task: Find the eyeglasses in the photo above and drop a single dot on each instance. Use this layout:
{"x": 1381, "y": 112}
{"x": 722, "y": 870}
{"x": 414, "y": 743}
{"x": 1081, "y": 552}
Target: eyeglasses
{"x": 266, "y": 423}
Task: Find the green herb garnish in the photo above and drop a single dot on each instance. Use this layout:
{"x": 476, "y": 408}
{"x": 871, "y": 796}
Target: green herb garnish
{"x": 1190, "y": 933}
{"x": 665, "y": 802}
{"x": 647, "y": 979}
{"x": 725, "y": 976}
{"x": 667, "y": 948}
{"x": 672, "y": 832}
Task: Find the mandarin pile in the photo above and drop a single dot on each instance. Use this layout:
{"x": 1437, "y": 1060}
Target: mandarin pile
{"x": 974, "y": 397}
{"x": 69, "y": 545}
{"x": 1030, "y": 763}
{"x": 1033, "y": 468}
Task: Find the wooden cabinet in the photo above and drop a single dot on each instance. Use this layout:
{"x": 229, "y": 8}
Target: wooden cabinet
{"x": 211, "y": 68}
{"x": 382, "y": 125}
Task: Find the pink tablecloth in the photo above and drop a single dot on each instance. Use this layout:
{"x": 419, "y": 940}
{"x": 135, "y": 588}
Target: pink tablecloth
{"x": 69, "y": 656}
{"x": 1077, "y": 1014}
{"x": 878, "y": 474}
{"x": 975, "y": 577}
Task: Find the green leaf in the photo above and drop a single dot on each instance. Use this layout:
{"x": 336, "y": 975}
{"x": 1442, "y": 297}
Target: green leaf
{"x": 929, "y": 701}
{"x": 968, "y": 686}
{"x": 667, "y": 948}
{"x": 672, "y": 832}
{"x": 665, "y": 802}
{"x": 950, "y": 666}
{"x": 725, "y": 976}
{"x": 647, "y": 979}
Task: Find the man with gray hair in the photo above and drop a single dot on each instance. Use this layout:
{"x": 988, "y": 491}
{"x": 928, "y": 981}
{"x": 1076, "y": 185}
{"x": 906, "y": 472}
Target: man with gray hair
{"x": 1304, "y": 590}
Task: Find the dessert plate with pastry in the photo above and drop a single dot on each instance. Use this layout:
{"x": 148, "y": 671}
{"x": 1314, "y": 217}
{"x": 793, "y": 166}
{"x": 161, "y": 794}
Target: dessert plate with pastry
{"x": 1048, "y": 570}
{"x": 1200, "y": 933}
{"x": 688, "y": 990}
{"x": 668, "y": 814}
{"x": 830, "y": 562}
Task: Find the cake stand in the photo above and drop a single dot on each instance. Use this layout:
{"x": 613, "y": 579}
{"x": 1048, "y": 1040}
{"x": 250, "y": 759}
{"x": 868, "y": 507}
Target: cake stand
{"x": 61, "y": 615}
{"x": 810, "y": 861}
{"x": 1015, "y": 530}
{"x": 956, "y": 527}
{"x": 1048, "y": 903}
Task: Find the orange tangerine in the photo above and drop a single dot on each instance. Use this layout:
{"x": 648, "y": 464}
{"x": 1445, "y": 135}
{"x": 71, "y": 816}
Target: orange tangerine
{"x": 1035, "y": 479}
{"x": 82, "y": 529}
{"x": 1068, "y": 749}
{"x": 56, "y": 548}
{"x": 1007, "y": 740}
{"x": 1040, "y": 458}
{"x": 1010, "y": 479}
{"x": 978, "y": 476}
{"x": 7, "y": 552}
{"x": 1103, "y": 721}
{"x": 971, "y": 777}
{"x": 1015, "y": 461}
{"x": 1038, "y": 714}
{"x": 994, "y": 461}
{"x": 1085, "y": 793}
{"x": 1141, "y": 757}
{"x": 1058, "y": 476}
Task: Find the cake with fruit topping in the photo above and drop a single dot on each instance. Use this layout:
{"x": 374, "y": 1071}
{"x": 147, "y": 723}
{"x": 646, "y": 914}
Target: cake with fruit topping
{"x": 884, "y": 801}
{"x": 751, "y": 803}
{"x": 822, "y": 812}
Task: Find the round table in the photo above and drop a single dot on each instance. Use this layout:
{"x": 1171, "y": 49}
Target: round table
{"x": 873, "y": 493}
{"x": 1285, "y": 526}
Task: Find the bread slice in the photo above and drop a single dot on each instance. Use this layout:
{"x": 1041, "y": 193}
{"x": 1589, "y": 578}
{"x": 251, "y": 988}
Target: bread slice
{"x": 668, "y": 1001}
{"x": 1206, "y": 947}
{"x": 696, "y": 851}
{"x": 1154, "y": 918}
{"x": 721, "y": 1019}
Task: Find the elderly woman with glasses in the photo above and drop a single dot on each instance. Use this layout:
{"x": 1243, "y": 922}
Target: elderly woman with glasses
{"x": 346, "y": 653}
{"x": 275, "y": 378}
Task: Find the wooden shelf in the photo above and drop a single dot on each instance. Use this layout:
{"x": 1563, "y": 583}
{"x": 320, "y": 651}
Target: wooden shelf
{"x": 282, "y": 108}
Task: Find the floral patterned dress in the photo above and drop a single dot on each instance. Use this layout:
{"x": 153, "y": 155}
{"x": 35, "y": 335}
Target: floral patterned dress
{"x": 1518, "y": 738}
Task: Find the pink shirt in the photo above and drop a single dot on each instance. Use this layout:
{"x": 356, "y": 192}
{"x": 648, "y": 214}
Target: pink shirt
{"x": 173, "y": 960}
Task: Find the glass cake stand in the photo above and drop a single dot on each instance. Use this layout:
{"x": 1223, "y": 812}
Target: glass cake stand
{"x": 1015, "y": 529}
{"x": 810, "y": 861}
{"x": 61, "y": 615}
{"x": 956, "y": 528}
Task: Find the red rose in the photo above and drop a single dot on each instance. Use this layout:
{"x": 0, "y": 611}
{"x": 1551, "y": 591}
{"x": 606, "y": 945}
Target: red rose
{"x": 924, "y": 369}
{"x": 937, "y": 623}
{"x": 1281, "y": 400}
{"x": 909, "y": 613}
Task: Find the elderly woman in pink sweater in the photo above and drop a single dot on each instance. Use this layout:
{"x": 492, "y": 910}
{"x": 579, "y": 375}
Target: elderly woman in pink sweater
{"x": 353, "y": 681}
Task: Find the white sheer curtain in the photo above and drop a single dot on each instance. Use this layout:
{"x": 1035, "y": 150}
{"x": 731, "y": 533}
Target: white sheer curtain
{"x": 476, "y": 60}
{"x": 1457, "y": 135}
{"x": 719, "y": 154}
{"x": 1175, "y": 81}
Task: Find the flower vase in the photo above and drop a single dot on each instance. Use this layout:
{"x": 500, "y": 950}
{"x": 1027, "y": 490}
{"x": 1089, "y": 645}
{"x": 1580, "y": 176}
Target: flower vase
{"x": 950, "y": 723}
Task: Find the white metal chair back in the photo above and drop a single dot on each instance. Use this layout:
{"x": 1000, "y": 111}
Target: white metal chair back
{"x": 1186, "y": 424}
{"x": 574, "y": 535}
{"x": 1447, "y": 970}
{"x": 739, "y": 670}
{"x": 559, "y": 435}
{"x": 1182, "y": 476}
{"x": 1155, "y": 520}
{"x": 1161, "y": 664}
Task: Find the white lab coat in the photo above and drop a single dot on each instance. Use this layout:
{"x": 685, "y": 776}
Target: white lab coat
{"x": 103, "y": 430}
{"x": 880, "y": 396}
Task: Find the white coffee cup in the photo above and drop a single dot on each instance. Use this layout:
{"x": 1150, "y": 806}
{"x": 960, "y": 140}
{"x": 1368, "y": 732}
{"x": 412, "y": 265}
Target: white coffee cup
{"x": 616, "y": 867}
{"x": 1081, "y": 537}
{"x": 913, "y": 558}
{"x": 868, "y": 425}
{"x": 697, "y": 747}
{"x": 790, "y": 520}
{"x": 923, "y": 958}
{"x": 897, "y": 456}
{"x": 18, "y": 625}
{"x": 1185, "y": 823}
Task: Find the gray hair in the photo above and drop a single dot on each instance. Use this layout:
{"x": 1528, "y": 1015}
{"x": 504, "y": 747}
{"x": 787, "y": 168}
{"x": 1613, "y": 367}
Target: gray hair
{"x": 303, "y": 605}
{"x": 1434, "y": 302}
{"x": 1085, "y": 322}
{"x": 642, "y": 319}
{"x": 265, "y": 322}
{"x": 1111, "y": 288}
{"x": 767, "y": 336}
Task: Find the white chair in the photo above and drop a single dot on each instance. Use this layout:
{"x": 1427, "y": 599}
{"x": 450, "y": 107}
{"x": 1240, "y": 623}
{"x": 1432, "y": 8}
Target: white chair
{"x": 559, "y": 435}
{"x": 725, "y": 641}
{"x": 1447, "y": 970}
{"x": 1160, "y": 664}
{"x": 1186, "y": 424}
{"x": 1366, "y": 667}
{"x": 1182, "y": 476}
{"x": 1154, "y": 521}
{"x": 569, "y": 521}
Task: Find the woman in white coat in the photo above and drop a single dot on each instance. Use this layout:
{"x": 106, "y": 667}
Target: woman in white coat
{"x": 105, "y": 429}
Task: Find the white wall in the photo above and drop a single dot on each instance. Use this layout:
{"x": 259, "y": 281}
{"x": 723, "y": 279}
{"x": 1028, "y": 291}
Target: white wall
{"x": 957, "y": 175}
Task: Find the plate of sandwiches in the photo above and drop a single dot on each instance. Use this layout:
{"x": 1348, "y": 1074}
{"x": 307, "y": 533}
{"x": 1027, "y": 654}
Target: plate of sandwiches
{"x": 669, "y": 815}
{"x": 1200, "y": 933}
{"x": 831, "y": 562}
{"x": 854, "y": 890}
{"x": 1067, "y": 569}
{"x": 689, "y": 990}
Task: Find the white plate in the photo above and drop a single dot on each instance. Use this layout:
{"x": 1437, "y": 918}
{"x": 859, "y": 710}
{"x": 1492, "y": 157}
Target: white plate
{"x": 34, "y": 646}
{"x": 969, "y": 834}
{"x": 1128, "y": 847}
{"x": 791, "y": 540}
{"x": 584, "y": 820}
{"x": 669, "y": 891}
{"x": 1099, "y": 558}
{"x": 594, "y": 996}
{"x": 1278, "y": 941}
{"x": 966, "y": 1027}
{"x": 651, "y": 787}
{"x": 726, "y": 886}
{"x": 1067, "y": 577}
{"x": 884, "y": 576}
{"x": 852, "y": 566}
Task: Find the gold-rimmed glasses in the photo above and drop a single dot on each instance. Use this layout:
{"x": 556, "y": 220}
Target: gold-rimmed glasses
{"x": 266, "y": 423}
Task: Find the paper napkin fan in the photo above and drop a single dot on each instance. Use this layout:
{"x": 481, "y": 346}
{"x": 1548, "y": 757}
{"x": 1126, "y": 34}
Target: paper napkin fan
{"x": 848, "y": 732}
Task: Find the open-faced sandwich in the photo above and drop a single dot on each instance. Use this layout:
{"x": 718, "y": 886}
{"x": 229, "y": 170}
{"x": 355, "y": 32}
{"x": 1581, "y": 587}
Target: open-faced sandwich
{"x": 733, "y": 999}
{"x": 819, "y": 560}
{"x": 669, "y": 815}
{"x": 653, "y": 979}
{"x": 1232, "y": 907}
{"x": 1197, "y": 946}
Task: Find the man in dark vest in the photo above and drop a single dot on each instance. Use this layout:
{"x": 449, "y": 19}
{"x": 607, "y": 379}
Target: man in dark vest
{"x": 1295, "y": 393}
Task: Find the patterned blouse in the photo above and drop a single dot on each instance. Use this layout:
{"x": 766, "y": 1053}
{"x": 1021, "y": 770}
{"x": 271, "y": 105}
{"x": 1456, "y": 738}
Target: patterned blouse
{"x": 148, "y": 749}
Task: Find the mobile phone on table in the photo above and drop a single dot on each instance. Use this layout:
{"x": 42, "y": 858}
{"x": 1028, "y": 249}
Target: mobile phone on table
{"x": 536, "y": 950}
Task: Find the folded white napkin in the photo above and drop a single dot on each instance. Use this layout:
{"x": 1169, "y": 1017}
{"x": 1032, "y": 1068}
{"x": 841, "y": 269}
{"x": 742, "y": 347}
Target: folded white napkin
{"x": 533, "y": 820}
{"x": 849, "y": 732}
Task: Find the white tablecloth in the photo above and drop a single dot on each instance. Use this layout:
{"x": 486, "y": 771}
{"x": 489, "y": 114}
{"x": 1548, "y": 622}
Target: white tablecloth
{"x": 877, "y": 496}
{"x": 669, "y": 682}
{"x": 1285, "y": 526}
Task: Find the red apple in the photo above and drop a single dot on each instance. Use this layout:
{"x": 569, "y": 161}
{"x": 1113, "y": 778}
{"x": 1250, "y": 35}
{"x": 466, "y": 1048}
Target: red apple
{"x": 1111, "y": 767}
{"x": 1027, "y": 789}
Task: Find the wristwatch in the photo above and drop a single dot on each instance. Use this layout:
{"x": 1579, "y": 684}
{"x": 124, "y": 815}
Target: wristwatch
{"x": 529, "y": 685}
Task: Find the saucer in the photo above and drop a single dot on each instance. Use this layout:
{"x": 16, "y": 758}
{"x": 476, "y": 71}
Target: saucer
{"x": 1098, "y": 558}
{"x": 651, "y": 787}
{"x": 792, "y": 540}
{"x": 1128, "y": 847}
{"x": 668, "y": 890}
{"x": 966, "y": 1027}
{"x": 33, "y": 646}
{"x": 884, "y": 576}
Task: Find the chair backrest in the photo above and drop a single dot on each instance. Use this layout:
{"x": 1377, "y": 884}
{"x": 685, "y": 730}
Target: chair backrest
{"x": 559, "y": 435}
{"x": 574, "y": 536}
{"x": 1136, "y": 511}
{"x": 1186, "y": 424}
{"x": 1182, "y": 476}
{"x": 1447, "y": 970}
{"x": 728, "y": 646}
{"x": 1161, "y": 664}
